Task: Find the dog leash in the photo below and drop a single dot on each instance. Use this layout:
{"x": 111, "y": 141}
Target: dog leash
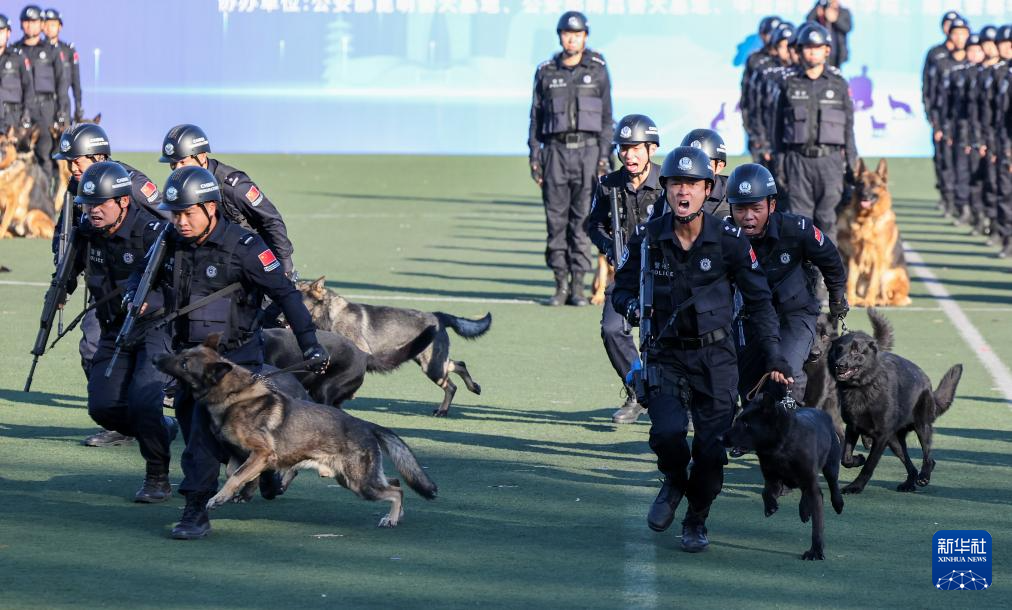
{"x": 787, "y": 402}
{"x": 305, "y": 366}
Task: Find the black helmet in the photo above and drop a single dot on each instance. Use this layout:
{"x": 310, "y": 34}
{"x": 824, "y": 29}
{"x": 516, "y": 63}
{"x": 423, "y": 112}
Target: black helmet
{"x": 709, "y": 141}
{"x": 31, "y": 13}
{"x": 988, "y": 33}
{"x": 812, "y": 34}
{"x": 686, "y": 162}
{"x": 83, "y": 140}
{"x": 51, "y": 14}
{"x": 188, "y": 186}
{"x": 573, "y": 21}
{"x": 768, "y": 24}
{"x": 949, "y": 17}
{"x": 785, "y": 31}
{"x": 184, "y": 141}
{"x": 959, "y": 24}
{"x": 750, "y": 183}
{"x": 1004, "y": 33}
{"x": 103, "y": 181}
{"x": 973, "y": 40}
{"x": 636, "y": 129}
{"x": 5, "y": 23}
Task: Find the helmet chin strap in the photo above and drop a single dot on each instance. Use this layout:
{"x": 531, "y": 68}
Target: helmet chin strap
{"x": 687, "y": 219}
{"x": 207, "y": 229}
{"x": 108, "y": 229}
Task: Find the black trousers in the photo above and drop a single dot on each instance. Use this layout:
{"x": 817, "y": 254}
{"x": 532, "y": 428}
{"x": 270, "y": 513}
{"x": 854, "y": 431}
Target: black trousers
{"x": 43, "y": 114}
{"x": 1003, "y": 208}
{"x": 617, "y": 337}
{"x": 129, "y": 401}
{"x": 88, "y": 345}
{"x": 704, "y": 382}
{"x": 815, "y": 186}
{"x": 797, "y": 333}
{"x": 569, "y": 175}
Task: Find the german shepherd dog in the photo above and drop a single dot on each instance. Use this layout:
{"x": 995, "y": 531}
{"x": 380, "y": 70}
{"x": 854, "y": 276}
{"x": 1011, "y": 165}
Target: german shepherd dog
{"x": 381, "y": 331}
{"x": 820, "y": 393}
{"x": 24, "y": 187}
{"x": 604, "y": 276}
{"x": 794, "y": 445}
{"x": 276, "y": 432}
{"x": 348, "y": 364}
{"x": 870, "y": 244}
{"x": 884, "y": 397}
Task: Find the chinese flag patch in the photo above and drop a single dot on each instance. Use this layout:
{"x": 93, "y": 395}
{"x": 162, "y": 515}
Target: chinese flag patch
{"x": 149, "y": 189}
{"x": 28, "y": 64}
{"x": 253, "y": 193}
{"x": 76, "y": 57}
{"x": 751, "y": 253}
{"x": 268, "y": 260}
{"x": 818, "y": 235}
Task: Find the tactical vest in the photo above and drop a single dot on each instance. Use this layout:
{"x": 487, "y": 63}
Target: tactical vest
{"x": 43, "y": 59}
{"x": 111, "y": 262}
{"x": 204, "y": 270}
{"x": 572, "y": 98}
{"x": 815, "y": 114}
{"x": 676, "y": 281}
{"x": 10, "y": 77}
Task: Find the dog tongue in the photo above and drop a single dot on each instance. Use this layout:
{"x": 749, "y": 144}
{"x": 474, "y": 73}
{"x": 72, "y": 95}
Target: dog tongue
{"x": 866, "y": 203}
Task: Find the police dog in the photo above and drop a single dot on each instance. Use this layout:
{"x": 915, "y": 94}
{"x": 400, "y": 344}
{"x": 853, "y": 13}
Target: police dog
{"x": 277, "y": 432}
{"x": 605, "y": 275}
{"x": 348, "y": 364}
{"x": 27, "y": 208}
{"x": 794, "y": 445}
{"x": 870, "y": 244}
{"x": 380, "y": 331}
{"x": 884, "y": 397}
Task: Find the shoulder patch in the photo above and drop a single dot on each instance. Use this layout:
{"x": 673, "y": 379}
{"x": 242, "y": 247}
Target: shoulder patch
{"x": 153, "y": 225}
{"x": 233, "y": 178}
{"x": 150, "y": 191}
{"x": 247, "y": 239}
{"x": 802, "y": 223}
{"x": 254, "y": 196}
{"x": 598, "y": 59}
{"x": 755, "y": 259}
{"x": 731, "y": 229}
{"x": 268, "y": 260}
{"x": 819, "y": 237}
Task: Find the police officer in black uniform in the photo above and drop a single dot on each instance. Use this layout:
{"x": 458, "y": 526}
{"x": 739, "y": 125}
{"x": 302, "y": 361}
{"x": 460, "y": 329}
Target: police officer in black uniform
{"x": 769, "y": 84}
{"x": 962, "y": 122}
{"x": 570, "y": 140}
{"x": 114, "y": 238}
{"x": 753, "y": 66}
{"x": 81, "y": 147}
{"x": 1002, "y": 157}
{"x": 785, "y": 244}
{"x": 51, "y": 107}
{"x": 815, "y": 131}
{"x": 713, "y": 145}
{"x": 51, "y": 26}
{"x": 942, "y": 110}
{"x": 696, "y": 261}
{"x": 929, "y": 86}
{"x": 638, "y": 187}
{"x": 207, "y": 253}
{"x": 17, "y": 89}
{"x": 242, "y": 201}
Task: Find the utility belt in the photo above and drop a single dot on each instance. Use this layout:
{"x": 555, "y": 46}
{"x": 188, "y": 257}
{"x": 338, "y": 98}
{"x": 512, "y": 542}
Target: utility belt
{"x": 691, "y": 343}
{"x": 814, "y": 151}
{"x": 46, "y": 95}
{"x": 577, "y": 139}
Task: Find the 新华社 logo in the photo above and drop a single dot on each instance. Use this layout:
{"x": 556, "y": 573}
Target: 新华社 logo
{"x": 961, "y": 560}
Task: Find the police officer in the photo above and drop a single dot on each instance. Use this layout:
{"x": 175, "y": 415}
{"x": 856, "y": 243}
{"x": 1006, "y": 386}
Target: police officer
{"x": 769, "y": 83}
{"x": 815, "y": 131}
{"x": 208, "y": 254}
{"x": 713, "y": 145}
{"x": 754, "y": 65}
{"x": 785, "y": 244}
{"x": 570, "y": 140}
{"x": 81, "y": 147}
{"x": 941, "y": 110}
{"x": 962, "y": 120}
{"x": 115, "y": 237}
{"x": 242, "y": 201}
{"x": 929, "y": 85}
{"x": 980, "y": 96}
{"x": 17, "y": 90}
{"x": 696, "y": 261}
{"x": 1002, "y": 157}
{"x": 51, "y": 26}
{"x": 836, "y": 19}
{"x": 638, "y": 187}
{"x": 51, "y": 107}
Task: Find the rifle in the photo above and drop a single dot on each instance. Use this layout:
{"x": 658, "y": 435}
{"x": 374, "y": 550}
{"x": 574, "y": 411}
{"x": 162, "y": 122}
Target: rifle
{"x": 140, "y": 296}
{"x": 66, "y": 221}
{"x": 646, "y": 377}
{"x": 618, "y": 242}
{"x": 56, "y": 294}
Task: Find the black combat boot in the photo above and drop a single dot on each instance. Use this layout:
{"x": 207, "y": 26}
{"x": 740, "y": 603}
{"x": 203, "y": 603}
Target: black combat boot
{"x": 156, "y": 488}
{"x": 107, "y": 438}
{"x": 195, "y": 523}
{"x": 1006, "y": 250}
{"x": 630, "y": 411}
{"x": 561, "y": 289}
{"x": 576, "y": 297}
{"x": 694, "y": 537}
{"x": 662, "y": 511}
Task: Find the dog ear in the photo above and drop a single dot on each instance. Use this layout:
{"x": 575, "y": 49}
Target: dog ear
{"x": 97, "y": 119}
{"x": 216, "y": 371}
{"x": 319, "y": 288}
{"x": 883, "y": 169}
{"x": 213, "y": 341}
{"x": 861, "y": 168}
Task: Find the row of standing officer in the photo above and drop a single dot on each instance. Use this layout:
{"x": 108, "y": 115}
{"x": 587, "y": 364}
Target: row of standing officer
{"x": 966, "y": 94}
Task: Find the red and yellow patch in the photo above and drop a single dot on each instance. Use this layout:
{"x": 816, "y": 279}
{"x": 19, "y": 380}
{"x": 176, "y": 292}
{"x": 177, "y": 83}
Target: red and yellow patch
{"x": 149, "y": 189}
{"x": 253, "y": 194}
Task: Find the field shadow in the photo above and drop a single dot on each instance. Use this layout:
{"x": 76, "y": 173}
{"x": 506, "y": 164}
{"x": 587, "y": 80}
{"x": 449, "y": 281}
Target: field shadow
{"x": 45, "y": 399}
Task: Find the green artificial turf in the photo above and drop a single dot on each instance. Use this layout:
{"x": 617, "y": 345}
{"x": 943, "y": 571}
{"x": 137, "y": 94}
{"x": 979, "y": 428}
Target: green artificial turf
{"x": 542, "y": 500}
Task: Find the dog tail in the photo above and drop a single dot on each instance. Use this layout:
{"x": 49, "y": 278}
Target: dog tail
{"x": 946, "y": 391}
{"x": 406, "y": 463}
{"x": 882, "y": 329}
{"x": 465, "y": 327}
{"x": 384, "y": 363}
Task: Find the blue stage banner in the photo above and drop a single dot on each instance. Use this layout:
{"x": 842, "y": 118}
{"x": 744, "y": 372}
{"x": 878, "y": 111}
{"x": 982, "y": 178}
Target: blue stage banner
{"x": 454, "y": 76}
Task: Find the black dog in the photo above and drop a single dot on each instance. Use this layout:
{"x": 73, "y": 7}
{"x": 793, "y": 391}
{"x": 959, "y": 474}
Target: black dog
{"x": 794, "y": 445}
{"x": 884, "y": 397}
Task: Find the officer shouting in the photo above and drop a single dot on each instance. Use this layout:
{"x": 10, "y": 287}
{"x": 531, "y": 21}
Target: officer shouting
{"x": 51, "y": 25}
{"x": 51, "y": 107}
{"x": 785, "y": 244}
{"x": 638, "y": 187}
{"x": 242, "y": 201}
{"x": 695, "y": 261}
{"x": 214, "y": 278}
{"x": 570, "y": 140}
{"x": 815, "y": 131}
{"x": 17, "y": 88}
{"x": 116, "y": 235}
